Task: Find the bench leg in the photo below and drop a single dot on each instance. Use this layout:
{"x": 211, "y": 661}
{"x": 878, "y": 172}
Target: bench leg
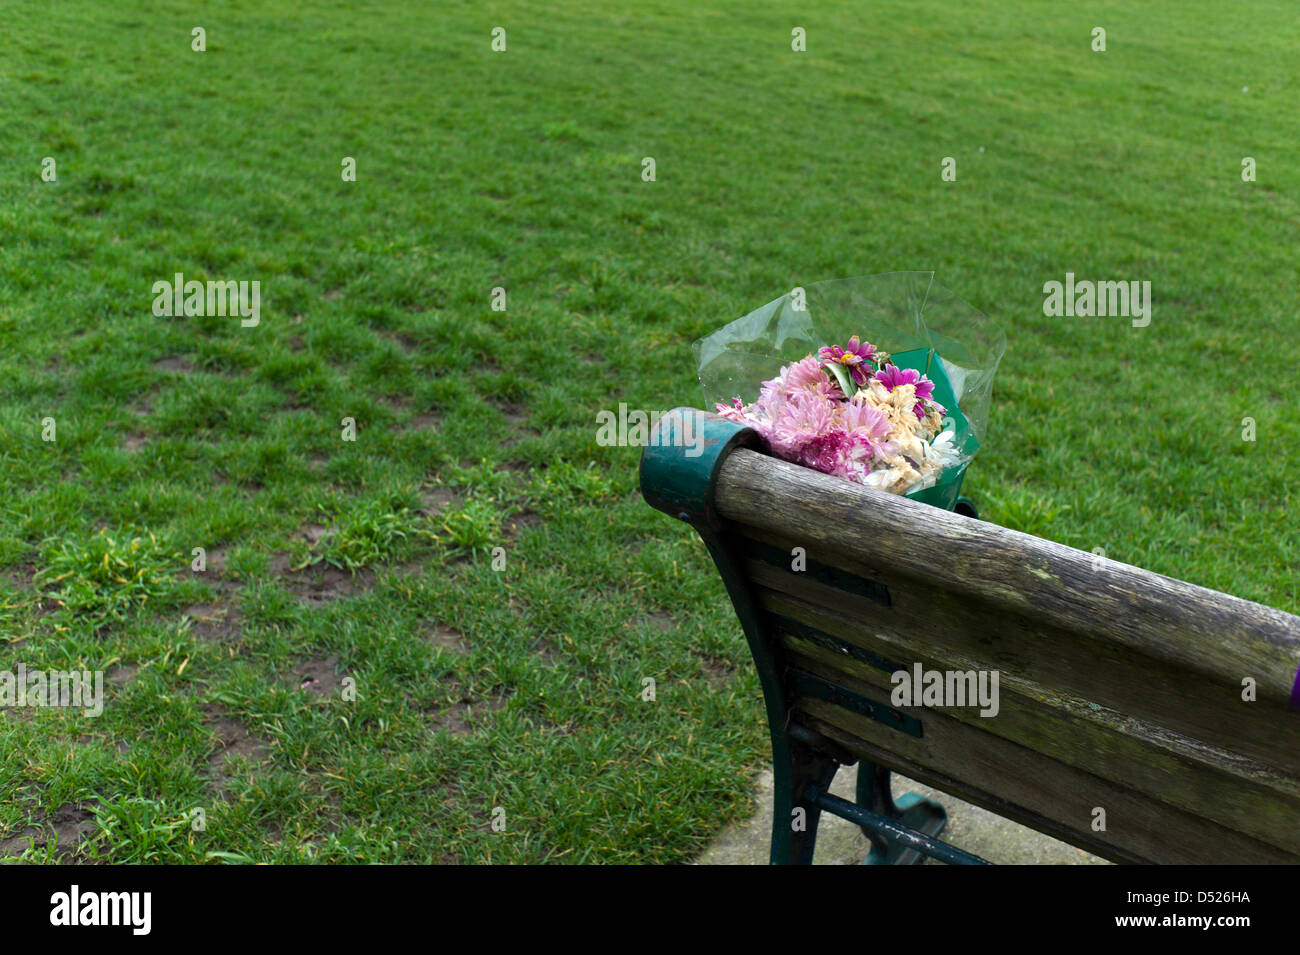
{"x": 794, "y": 836}
{"x": 912, "y": 810}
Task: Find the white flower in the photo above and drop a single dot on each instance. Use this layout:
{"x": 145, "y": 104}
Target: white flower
{"x": 941, "y": 450}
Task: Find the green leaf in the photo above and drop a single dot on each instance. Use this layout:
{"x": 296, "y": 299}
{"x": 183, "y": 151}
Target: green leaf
{"x": 843, "y": 377}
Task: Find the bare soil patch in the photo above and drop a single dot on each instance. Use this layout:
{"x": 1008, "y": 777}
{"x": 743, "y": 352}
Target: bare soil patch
{"x": 449, "y": 639}
{"x": 516, "y": 414}
{"x": 176, "y": 364}
{"x": 466, "y": 712}
{"x": 121, "y": 676}
{"x": 428, "y": 421}
{"x": 661, "y": 621}
{"x": 216, "y": 621}
{"x": 717, "y": 672}
{"x": 548, "y": 651}
{"x": 435, "y": 500}
{"x": 518, "y": 523}
{"x": 321, "y": 583}
{"x": 233, "y": 740}
{"x": 318, "y": 677}
{"x": 66, "y": 827}
{"x": 21, "y": 576}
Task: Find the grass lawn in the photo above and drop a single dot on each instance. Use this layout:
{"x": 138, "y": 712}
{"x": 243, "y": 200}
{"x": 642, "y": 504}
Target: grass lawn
{"x": 350, "y": 678}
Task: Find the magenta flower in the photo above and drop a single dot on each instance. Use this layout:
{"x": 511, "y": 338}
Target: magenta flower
{"x": 891, "y": 376}
{"x": 853, "y": 356}
{"x": 919, "y": 408}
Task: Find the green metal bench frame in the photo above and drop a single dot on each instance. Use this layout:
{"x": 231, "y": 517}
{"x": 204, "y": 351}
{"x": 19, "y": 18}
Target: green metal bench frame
{"x": 804, "y": 762}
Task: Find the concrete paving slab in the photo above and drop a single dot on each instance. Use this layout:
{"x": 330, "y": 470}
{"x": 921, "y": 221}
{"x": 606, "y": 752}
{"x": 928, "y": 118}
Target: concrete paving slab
{"x": 842, "y": 843}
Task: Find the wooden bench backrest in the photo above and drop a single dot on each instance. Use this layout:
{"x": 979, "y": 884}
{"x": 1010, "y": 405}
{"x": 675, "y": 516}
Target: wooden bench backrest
{"x": 1119, "y": 689}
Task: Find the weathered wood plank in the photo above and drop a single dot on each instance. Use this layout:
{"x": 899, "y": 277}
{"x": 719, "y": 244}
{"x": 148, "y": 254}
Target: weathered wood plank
{"x": 1186, "y": 775}
{"x": 921, "y": 618}
{"x": 954, "y": 786}
{"x": 1189, "y": 627}
{"x": 996, "y": 773}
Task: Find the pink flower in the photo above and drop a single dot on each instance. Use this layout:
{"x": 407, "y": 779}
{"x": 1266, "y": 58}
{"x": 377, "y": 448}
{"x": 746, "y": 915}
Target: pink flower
{"x": 795, "y": 421}
{"x": 732, "y": 412}
{"x": 807, "y": 375}
{"x": 825, "y": 452}
{"x": 860, "y": 416}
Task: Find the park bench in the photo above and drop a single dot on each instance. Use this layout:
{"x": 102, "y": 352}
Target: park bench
{"x": 1140, "y": 718}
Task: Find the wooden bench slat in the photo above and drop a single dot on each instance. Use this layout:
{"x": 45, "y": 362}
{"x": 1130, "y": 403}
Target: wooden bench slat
{"x": 1059, "y": 798}
{"x": 1178, "y": 772}
{"x": 1189, "y": 626}
{"x": 921, "y": 618}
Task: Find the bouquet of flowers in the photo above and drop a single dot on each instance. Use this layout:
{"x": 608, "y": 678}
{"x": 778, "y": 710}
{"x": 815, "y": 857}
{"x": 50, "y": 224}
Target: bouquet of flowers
{"x": 907, "y": 422}
{"x": 850, "y": 412}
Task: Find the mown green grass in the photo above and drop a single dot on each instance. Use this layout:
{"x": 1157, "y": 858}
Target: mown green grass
{"x": 523, "y": 170}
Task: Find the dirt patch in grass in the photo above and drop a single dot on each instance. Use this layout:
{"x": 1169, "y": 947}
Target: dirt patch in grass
{"x": 435, "y": 500}
{"x": 214, "y": 576}
{"x": 449, "y": 639}
{"x": 717, "y": 672}
{"x": 233, "y": 740}
{"x": 517, "y": 429}
{"x": 314, "y": 533}
{"x": 317, "y": 677}
{"x": 548, "y": 651}
{"x": 176, "y": 364}
{"x": 134, "y": 441}
{"x": 516, "y": 524}
{"x": 466, "y": 712}
{"x": 21, "y": 576}
{"x": 424, "y": 422}
{"x": 516, "y": 414}
{"x": 321, "y": 583}
{"x": 121, "y": 676}
{"x": 215, "y": 561}
{"x": 66, "y": 827}
{"x": 216, "y": 622}
{"x": 661, "y": 621}
{"x": 405, "y": 340}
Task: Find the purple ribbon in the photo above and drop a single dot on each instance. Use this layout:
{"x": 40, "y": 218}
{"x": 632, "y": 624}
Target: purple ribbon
{"x": 1295, "y": 691}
